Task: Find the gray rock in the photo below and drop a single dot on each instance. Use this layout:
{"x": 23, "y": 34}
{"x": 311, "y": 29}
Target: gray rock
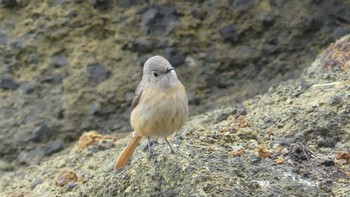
{"x": 174, "y": 56}
{"x": 59, "y": 61}
{"x": 97, "y": 73}
{"x": 28, "y": 87}
{"x": 70, "y": 186}
{"x": 3, "y": 39}
{"x": 5, "y": 165}
{"x": 35, "y": 183}
{"x": 30, "y": 157}
{"x": 41, "y": 133}
{"x": 159, "y": 20}
{"x": 229, "y": 33}
{"x": 8, "y": 83}
{"x": 9, "y": 3}
{"x": 53, "y": 147}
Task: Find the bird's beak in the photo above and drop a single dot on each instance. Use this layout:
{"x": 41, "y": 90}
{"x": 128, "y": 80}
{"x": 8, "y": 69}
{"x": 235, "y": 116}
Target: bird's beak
{"x": 169, "y": 69}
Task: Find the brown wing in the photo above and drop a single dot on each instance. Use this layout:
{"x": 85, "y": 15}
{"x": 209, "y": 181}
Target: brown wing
{"x": 136, "y": 99}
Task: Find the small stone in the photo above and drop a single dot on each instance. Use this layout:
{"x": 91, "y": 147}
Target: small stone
{"x": 30, "y": 157}
{"x": 237, "y": 151}
{"x": 35, "y": 183}
{"x": 279, "y": 160}
{"x": 100, "y": 4}
{"x": 97, "y": 73}
{"x": 5, "y": 165}
{"x": 28, "y": 88}
{"x": 54, "y": 78}
{"x": 142, "y": 45}
{"x": 90, "y": 139}
{"x": 241, "y": 5}
{"x": 229, "y": 33}
{"x": 70, "y": 186}
{"x": 53, "y": 147}
{"x": 40, "y": 133}
{"x": 264, "y": 151}
{"x": 8, "y": 84}
{"x": 174, "y": 56}
{"x": 9, "y": 3}
{"x": 105, "y": 144}
{"x": 128, "y": 3}
{"x": 59, "y": 61}
{"x": 65, "y": 177}
{"x": 3, "y": 39}
{"x": 335, "y": 99}
{"x": 159, "y": 20}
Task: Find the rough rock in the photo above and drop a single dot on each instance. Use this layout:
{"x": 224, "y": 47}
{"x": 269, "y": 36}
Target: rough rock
{"x": 45, "y": 47}
{"x": 289, "y": 141}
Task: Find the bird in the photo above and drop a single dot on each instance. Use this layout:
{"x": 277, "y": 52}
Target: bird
{"x": 159, "y": 107}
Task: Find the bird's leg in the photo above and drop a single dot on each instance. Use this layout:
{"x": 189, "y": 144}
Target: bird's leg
{"x": 149, "y": 147}
{"x": 171, "y": 149}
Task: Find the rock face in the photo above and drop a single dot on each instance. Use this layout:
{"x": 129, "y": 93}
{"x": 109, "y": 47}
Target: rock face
{"x": 72, "y": 66}
{"x": 291, "y": 141}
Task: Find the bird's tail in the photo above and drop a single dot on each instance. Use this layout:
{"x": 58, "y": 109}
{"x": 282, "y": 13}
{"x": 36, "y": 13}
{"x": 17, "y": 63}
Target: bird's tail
{"x": 126, "y": 153}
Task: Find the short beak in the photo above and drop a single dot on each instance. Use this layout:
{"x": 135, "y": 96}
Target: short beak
{"x": 169, "y": 69}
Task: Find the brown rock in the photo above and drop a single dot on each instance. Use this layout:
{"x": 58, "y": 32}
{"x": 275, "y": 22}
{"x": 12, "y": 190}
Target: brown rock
{"x": 64, "y": 177}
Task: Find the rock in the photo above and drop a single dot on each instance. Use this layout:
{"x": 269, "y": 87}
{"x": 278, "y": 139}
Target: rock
{"x": 291, "y": 154}
{"x": 8, "y": 83}
{"x": 65, "y": 177}
{"x": 241, "y": 5}
{"x": 174, "y": 56}
{"x": 93, "y": 138}
{"x": 9, "y": 3}
{"x": 159, "y": 20}
{"x": 41, "y": 133}
{"x": 28, "y": 87}
{"x": 101, "y": 4}
{"x": 59, "y": 61}
{"x": 35, "y": 183}
{"x": 129, "y": 3}
{"x": 97, "y": 73}
{"x": 3, "y": 39}
{"x": 70, "y": 186}
{"x": 53, "y": 147}
{"x": 229, "y": 33}
{"x": 5, "y": 165}
{"x": 142, "y": 45}
{"x": 30, "y": 157}
{"x": 54, "y": 78}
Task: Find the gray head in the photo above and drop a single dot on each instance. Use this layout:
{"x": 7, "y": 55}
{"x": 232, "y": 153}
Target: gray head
{"x": 159, "y": 72}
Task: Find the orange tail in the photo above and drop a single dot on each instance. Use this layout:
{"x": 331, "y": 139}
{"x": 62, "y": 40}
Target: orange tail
{"x": 126, "y": 153}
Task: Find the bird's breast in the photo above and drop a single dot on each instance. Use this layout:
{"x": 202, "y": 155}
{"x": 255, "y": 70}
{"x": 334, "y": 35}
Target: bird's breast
{"x": 160, "y": 112}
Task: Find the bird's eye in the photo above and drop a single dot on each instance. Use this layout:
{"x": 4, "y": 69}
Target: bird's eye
{"x": 155, "y": 74}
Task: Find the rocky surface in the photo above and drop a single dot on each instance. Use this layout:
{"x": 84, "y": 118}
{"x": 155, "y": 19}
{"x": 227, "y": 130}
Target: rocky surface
{"x": 291, "y": 141}
{"x": 72, "y": 66}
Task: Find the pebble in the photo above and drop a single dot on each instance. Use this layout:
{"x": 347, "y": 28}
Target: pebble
{"x": 5, "y": 165}
{"x": 40, "y": 133}
{"x": 3, "y": 39}
{"x": 65, "y": 177}
{"x": 59, "y": 61}
{"x": 174, "y": 56}
{"x": 229, "y": 33}
{"x": 159, "y": 20}
{"x": 8, "y": 83}
{"x": 97, "y": 72}
{"x": 53, "y": 147}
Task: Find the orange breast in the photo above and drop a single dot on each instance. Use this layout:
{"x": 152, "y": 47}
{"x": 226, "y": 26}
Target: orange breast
{"x": 160, "y": 112}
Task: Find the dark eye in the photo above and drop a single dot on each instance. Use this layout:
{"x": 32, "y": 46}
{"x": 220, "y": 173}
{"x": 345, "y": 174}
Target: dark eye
{"x": 155, "y": 74}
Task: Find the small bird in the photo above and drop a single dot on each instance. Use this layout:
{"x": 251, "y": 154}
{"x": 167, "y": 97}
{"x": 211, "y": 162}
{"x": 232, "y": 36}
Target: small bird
{"x": 159, "y": 107}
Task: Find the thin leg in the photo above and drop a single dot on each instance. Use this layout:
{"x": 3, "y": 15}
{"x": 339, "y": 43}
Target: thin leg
{"x": 171, "y": 149}
{"x": 149, "y": 147}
